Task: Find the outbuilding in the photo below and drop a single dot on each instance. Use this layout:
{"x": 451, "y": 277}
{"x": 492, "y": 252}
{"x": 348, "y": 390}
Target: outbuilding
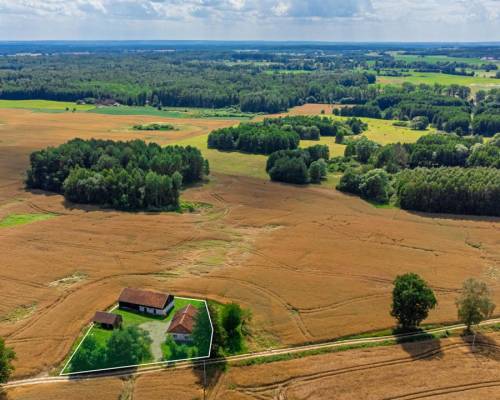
{"x": 181, "y": 327}
{"x": 107, "y": 320}
{"x": 146, "y": 301}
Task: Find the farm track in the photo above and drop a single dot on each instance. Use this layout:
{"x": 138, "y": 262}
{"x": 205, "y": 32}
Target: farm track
{"x": 271, "y": 353}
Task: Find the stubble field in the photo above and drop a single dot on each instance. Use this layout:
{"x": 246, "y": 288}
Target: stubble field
{"x": 311, "y": 263}
{"x": 447, "y": 369}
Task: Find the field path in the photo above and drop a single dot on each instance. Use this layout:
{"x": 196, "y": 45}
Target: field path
{"x": 127, "y": 372}
{"x": 157, "y": 331}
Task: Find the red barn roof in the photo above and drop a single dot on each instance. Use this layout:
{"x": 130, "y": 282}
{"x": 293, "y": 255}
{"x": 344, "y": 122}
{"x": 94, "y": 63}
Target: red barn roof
{"x": 102, "y": 317}
{"x": 147, "y": 298}
{"x": 183, "y": 321}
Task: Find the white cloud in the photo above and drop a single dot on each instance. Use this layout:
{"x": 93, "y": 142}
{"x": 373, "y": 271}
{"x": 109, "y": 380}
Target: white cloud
{"x": 253, "y": 19}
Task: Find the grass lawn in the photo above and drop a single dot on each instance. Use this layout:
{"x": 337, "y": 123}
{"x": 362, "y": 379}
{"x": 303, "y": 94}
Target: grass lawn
{"x": 254, "y": 165}
{"x": 45, "y": 105}
{"x": 175, "y": 112}
{"x": 143, "y": 321}
{"x": 430, "y": 78}
{"x": 434, "y": 59}
{"x": 336, "y": 149}
{"x": 22, "y": 219}
{"x": 231, "y": 163}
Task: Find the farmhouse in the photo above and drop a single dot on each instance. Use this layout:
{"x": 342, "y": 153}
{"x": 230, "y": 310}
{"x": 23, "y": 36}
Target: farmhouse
{"x": 182, "y": 324}
{"x": 146, "y": 301}
{"x": 107, "y": 320}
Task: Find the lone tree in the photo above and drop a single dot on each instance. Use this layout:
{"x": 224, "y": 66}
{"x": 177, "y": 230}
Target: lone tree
{"x": 7, "y": 355}
{"x": 474, "y": 303}
{"x": 412, "y": 299}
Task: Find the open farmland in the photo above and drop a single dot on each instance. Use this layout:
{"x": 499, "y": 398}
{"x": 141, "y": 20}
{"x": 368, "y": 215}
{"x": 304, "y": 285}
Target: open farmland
{"x": 338, "y": 253}
{"x": 431, "y": 78}
{"x": 459, "y": 371}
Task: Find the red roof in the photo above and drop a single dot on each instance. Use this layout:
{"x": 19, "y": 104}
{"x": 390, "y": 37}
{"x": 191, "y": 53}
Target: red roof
{"x": 102, "y": 317}
{"x": 183, "y": 321}
{"x": 145, "y": 298}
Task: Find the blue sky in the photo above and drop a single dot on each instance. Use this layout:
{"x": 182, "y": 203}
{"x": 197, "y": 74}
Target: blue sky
{"x": 328, "y": 20}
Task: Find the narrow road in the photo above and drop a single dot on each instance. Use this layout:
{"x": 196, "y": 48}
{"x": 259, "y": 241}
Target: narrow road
{"x": 231, "y": 359}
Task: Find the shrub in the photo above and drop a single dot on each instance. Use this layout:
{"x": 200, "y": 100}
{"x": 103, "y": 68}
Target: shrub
{"x": 419, "y": 123}
{"x": 7, "y": 355}
{"x": 317, "y": 170}
{"x": 290, "y": 169}
{"x": 375, "y": 185}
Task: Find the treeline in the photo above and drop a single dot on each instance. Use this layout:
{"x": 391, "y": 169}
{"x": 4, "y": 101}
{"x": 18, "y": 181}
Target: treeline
{"x": 123, "y": 175}
{"x": 312, "y": 127}
{"x": 282, "y": 133}
{"x": 450, "y": 190}
{"x": 257, "y": 138}
{"x": 438, "y": 173}
{"x": 434, "y": 150}
{"x": 299, "y": 166}
{"x": 172, "y": 80}
{"x": 447, "y": 108}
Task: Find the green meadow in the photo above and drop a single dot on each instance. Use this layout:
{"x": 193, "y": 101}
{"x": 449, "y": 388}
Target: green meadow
{"x": 431, "y": 78}
{"x": 23, "y": 219}
{"x": 174, "y": 112}
{"x": 434, "y": 59}
{"x": 48, "y": 105}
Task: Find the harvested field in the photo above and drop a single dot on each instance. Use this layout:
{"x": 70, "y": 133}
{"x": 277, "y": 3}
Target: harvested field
{"x": 444, "y": 369}
{"x": 449, "y": 368}
{"x": 311, "y": 263}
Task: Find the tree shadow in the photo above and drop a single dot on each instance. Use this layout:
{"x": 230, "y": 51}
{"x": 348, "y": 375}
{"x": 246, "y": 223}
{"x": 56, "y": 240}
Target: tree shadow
{"x": 127, "y": 371}
{"x": 208, "y": 374}
{"x": 3, "y": 395}
{"x": 482, "y": 345}
{"x": 454, "y": 217}
{"x": 423, "y": 346}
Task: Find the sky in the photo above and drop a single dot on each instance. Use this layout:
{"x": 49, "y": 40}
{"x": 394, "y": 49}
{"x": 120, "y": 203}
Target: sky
{"x": 303, "y": 20}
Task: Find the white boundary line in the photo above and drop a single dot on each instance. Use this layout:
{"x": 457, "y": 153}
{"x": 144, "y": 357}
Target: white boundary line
{"x": 166, "y": 363}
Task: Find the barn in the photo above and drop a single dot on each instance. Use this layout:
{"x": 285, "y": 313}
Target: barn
{"x": 181, "y": 327}
{"x": 146, "y": 301}
{"x": 107, "y": 320}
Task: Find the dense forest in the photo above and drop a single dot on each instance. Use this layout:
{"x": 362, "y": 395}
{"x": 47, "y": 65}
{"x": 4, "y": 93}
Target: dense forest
{"x": 439, "y": 173}
{"x": 163, "y": 79}
{"x": 123, "y": 175}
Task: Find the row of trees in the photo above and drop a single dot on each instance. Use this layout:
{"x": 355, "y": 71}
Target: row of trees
{"x": 413, "y": 298}
{"x": 124, "y": 175}
{"x": 313, "y": 127}
{"x": 257, "y": 138}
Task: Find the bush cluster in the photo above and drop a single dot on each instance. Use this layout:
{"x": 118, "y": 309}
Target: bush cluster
{"x": 299, "y": 166}
{"x": 257, "y": 138}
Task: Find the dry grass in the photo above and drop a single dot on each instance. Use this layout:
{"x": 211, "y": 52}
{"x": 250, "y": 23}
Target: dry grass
{"x": 311, "y": 263}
